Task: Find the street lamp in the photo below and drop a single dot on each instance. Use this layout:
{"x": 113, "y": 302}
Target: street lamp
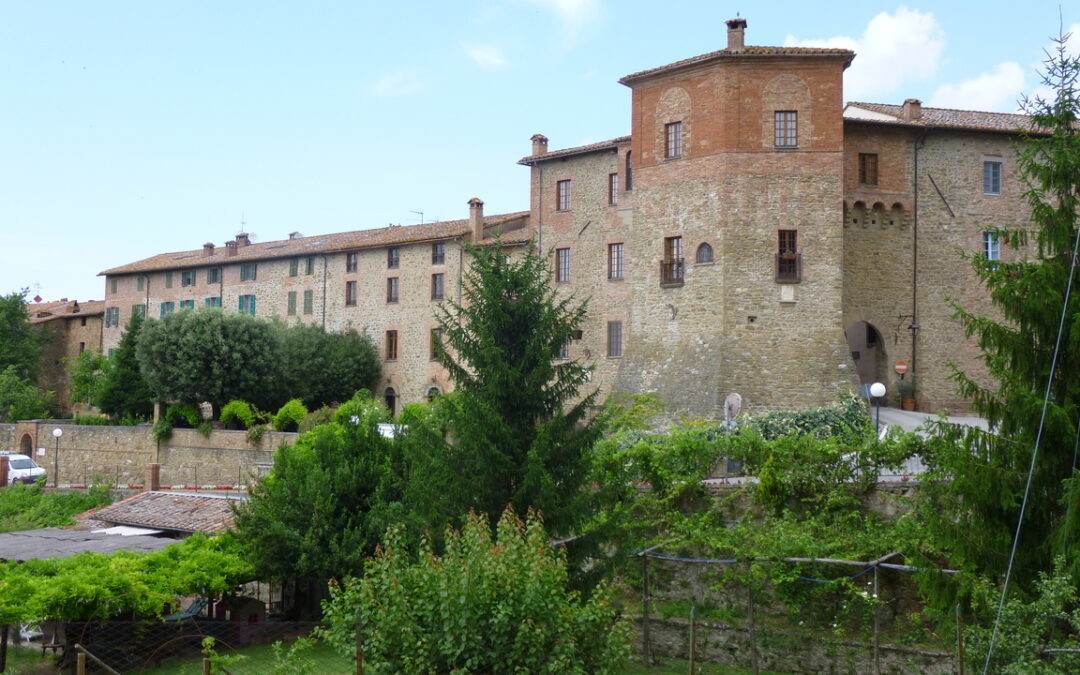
{"x": 57, "y": 433}
{"x": 877, "y": 390}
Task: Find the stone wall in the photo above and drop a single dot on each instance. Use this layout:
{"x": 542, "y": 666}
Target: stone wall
{"x": 120, "y": 455}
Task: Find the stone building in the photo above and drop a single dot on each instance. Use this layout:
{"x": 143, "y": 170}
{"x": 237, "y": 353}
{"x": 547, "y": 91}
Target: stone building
{"x": 752, "y": 234}
{"x": 71, "y": 328}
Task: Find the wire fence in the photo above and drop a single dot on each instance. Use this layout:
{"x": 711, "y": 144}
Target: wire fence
{"x": 733, "y": 611}
{"x": 186, "y": 477}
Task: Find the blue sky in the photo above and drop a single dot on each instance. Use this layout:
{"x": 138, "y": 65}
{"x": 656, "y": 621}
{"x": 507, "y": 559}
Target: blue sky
{"x": 133, "y": 128}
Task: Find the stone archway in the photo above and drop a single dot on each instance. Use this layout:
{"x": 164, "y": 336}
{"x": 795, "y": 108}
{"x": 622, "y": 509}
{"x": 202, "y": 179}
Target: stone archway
{"x": 868, "y": 351}
{"x": 26, "y": 445}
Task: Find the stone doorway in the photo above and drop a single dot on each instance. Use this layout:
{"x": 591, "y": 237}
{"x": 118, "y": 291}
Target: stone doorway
{"x": 868, "y": 352}
{"x": 26, "y": 445}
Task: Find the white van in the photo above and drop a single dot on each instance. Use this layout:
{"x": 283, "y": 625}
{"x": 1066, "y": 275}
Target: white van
{"x": 22, "y": 469}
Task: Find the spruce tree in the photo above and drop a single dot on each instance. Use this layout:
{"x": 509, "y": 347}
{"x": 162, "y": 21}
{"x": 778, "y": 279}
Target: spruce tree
{"x": 124, "y": 391}
{"x": 974, "y": 512}
{"x": 519, "y": 421}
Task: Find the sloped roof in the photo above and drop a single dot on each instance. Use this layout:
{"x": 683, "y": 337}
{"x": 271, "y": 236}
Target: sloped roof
{"x": 740, "y": 53}
{"x": 63, "y": 309}
{"x": 326, "y": 243}
{"x": 947, "y": 118}
{"x": 579, "y": 150}
{"x": 177, "y": 511}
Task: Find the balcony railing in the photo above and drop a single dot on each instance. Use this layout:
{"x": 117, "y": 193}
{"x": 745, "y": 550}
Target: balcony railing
{"x": 788, "y": 267}
{"x": 672, "y": 272}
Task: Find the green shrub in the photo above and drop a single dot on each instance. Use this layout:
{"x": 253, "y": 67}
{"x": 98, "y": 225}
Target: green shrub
{"x": 238, "y": 415}
{"x": 93, "y": 420}
{"x": 180, "y": 415}
{"x": 26, "y": 507}
{"x": 289, "y": 417}
{"x": 838, "y": 419}
{"x": 323, "y": 415}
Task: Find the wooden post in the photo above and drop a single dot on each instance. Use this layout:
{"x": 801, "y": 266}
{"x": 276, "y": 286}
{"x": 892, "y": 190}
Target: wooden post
{"x": 750, "y": 619}
{"x": 877, "y": 623}
{"x": 959, "y": 641}
{"x": 646, "y": 645}
{"x": 205, "y": 666}
{"x": 80, "y": 663}
{"x": 693, "y": 642}
{"x": 4, "y": 472}
{"x": 359, "y": 651}
{"x": 3, "y": 645}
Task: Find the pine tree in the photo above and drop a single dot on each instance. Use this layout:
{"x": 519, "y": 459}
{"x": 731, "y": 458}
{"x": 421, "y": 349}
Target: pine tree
{"x": 975, "y": 512}
{"x": 519, "y": 421}
{"x": 124, "y": 391}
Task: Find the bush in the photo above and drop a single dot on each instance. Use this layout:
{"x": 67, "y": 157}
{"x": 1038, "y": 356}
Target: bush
{"x": 182, "y": 415}
{"x": 26, "y": 507}
{"x": 93, "y": 421}
{"x": 289, "y": 417}
{"x": 238, "y": 415}
{"x": 323, "y": 415}
{"x": 838, "y": 419}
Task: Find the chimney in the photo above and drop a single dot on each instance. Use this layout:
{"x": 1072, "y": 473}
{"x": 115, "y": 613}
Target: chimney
{"x": 242, "y": 239}
{"x": 230, "y": 249}
{"x": 736, "y": 34}
{"x": 75, "y": 307}
{"x": 208, "y": 249}
{"x": 295, "y": 235}
{"x": 911, "y": 110}
{"x": 476, "y": 219}
{"x": 539, "y": 142}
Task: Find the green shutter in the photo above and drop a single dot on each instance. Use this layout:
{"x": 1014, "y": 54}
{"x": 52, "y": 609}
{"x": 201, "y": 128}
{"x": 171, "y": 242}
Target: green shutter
{"x": 163, "y": 310}
{"x": 310, "y": 269}
{"x": 292, "y": 303}
{"x": 168, "y": 280}
{"x": 308, "y": 302}
{"x": 294, "y": 265}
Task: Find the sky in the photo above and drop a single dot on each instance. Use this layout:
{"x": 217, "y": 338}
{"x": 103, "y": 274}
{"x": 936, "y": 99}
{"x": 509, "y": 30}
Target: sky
{"x": 132, "y": 128}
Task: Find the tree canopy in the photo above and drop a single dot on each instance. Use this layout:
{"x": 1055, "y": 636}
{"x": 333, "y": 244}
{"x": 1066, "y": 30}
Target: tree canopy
{"x": 123, "y": 390}
{"x": 20, "y": 341}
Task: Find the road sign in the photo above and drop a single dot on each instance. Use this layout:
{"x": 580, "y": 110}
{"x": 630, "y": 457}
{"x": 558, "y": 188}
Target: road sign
{"x": 901, "y": 367}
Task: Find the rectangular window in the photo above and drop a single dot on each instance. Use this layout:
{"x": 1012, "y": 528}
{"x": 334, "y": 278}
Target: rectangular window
{"x": 613, "y": 189}
{"x": 615, "y": 261}
{"x": 673, "y": 140}
{"x": 562, "y": 265}
{"x": 436, "y": 339}
{"x": 214, "y": 301}
{"x": 868, "y": 168}
{"x": 187, "y": 278}
{"x": 309, "y": 302}
{"x": 140, "y": 283}
{"x": 437, "y": 286}
{"x": 112, "y": 316}
{"x": 391, "y": 345}
{"x": 350, "y": 293}
{"x": 788, "y": 262}
{"x": 438, "y": 254}
{"x": 213, "y": 275}
{"x": 246, "y": 304}
{"x": 187, "y": 304}
{"x": 393, "y": 258}
{"x": 168, "y": 280}
{"x": 82, "y": 347}
{"x": 249, "y": 271}
{"x": 672, "y": 267}
{"x": 786, "y": 127}
{"x": 564, "y": 351}
{"x": 991, "y": 246}
{"x": 290, "y": 307}
{"x": 562, "y": 195}
{"x": 392, "y": 289}
{"x": 992, "y": 177}
{"x": 167, "y": 308}
{"x": 294, "y": 267}
{"x": 350, "y": 262}
{"x": 614, "y": 338}
{"x": 309, "y": 265}
{"x": 138, "y": 310}
{"x": 112, "y": 285}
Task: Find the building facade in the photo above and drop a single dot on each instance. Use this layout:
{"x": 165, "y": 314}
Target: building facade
{"x": 71, "y": 328}
{"x": 751, "y": 235}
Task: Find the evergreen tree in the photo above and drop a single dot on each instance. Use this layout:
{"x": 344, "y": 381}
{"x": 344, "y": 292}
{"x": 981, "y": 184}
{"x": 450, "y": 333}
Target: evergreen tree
{"x": 518, "y": 421}
{"x": 20, "y": 341}
{"x": 123, "y": 390}
{"x": 974, "y": 512}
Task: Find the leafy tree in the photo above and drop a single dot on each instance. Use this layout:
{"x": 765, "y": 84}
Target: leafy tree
{"x": 487, "y": 605}
{"x": 123, "y": 390}
{"x": 326, "y": 368}
{"x": 86, "y": 374}
{"x": 20, "y": 341}
{"x": 21, "y": 400}
{"x": 974, "y": 514}
{"x": 518, "y": 418}
{"x": 321, "y": 508}
{"x": 208, "y": 355}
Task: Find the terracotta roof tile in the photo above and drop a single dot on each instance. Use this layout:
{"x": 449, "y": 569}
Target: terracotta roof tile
{"x": 579, "y": 150}
{"x": 48, "y": 311}
{"x": 738, "y": 53}
{"x": 941, "y": 118}
{"x": 339, "y": 241}
{"x": 183, "y": 512}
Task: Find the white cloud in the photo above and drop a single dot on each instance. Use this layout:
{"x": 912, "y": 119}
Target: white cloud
{"x": 488, "y": 57}
{"x": 402, "y": 82}
{"x": 574, "y": 14}
{"x": 995, "y": 91}
{"x": 894, "y": 49}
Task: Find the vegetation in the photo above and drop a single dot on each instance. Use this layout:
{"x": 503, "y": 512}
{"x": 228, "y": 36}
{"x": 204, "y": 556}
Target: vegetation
{"x": 20, "y": 341}
{"x": 124, "y": 391}
{"x": 85, "y": 374}
{"x": 26, "y": 507}
{"x": 290, "y": 415}
{"x": 487, "y": 605}
{"x": 20, "y": 399}
{"x": 320, "y": 368}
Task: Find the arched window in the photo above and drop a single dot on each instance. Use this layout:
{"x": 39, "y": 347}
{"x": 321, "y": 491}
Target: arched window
{"x": 390, "y": 396}
{"x": 704, "y": 253}
{"x": 432, "y": 394}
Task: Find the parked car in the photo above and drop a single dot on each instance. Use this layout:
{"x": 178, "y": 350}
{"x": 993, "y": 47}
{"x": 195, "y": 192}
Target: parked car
{"x": 22, "y": 469}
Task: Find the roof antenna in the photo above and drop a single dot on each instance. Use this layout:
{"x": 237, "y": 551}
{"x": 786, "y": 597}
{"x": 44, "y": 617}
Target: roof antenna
{"x": 419, "y": 213}
{"x": 243, "y": 223}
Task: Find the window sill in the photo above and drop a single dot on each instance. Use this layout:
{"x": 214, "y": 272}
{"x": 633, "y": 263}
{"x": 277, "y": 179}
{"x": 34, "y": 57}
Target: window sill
{"x": 785, "y": 147}
{"x": 614, "y": 357}
{"x": 391, "y": 302}
{"x": 672, "y": 284}
{"x": 389, "y": 360}
{"x": 671, "y": 159}
{"x": 873, "y": 186}
{"x": 788, "y": 281}
{"x": 619, "y": 279}
{"x": 564, "y": 210}
{"x": 705, "y": 263}
{"x": 350, "y": 304}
